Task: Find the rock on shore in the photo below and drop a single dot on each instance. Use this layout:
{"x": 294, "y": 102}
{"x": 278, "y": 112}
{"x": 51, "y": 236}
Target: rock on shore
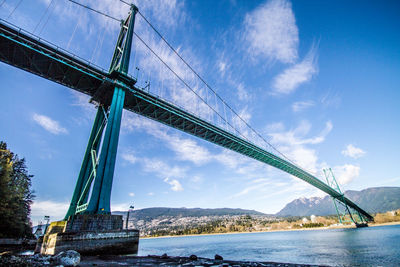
{"x": 65, "y": 258}
{"x": 72, "y": 258}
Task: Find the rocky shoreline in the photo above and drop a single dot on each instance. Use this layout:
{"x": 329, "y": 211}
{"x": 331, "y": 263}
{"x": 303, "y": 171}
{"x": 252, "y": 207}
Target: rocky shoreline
{"x": 72, "y": 258}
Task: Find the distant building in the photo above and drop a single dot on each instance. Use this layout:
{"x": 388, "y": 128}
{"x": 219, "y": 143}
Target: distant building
{"x": 313, "y": 219}
{"x": 305, "y": 220}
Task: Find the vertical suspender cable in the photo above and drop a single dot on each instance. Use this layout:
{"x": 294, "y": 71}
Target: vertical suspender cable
{"x": 12, "y": 12}
{"x": 48, "y": 18}
{"x": 73, "y": 33}
{"x": 95, "y": 48}
{"x": 101, "y": 43}
{"x": 44, "y": 14}
{"x": 135, "y": 49}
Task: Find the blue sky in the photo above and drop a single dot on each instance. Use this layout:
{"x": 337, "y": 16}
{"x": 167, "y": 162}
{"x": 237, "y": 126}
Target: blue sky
{"x": 318, "y": 79}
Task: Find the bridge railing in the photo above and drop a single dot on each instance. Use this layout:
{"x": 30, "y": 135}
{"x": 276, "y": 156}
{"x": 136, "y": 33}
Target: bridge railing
{"x": 54, "y": 46}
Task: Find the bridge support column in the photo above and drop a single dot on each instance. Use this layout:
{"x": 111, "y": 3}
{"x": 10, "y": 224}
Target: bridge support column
{"x": 87, "y": 164}
{"x": 99, "y": 202}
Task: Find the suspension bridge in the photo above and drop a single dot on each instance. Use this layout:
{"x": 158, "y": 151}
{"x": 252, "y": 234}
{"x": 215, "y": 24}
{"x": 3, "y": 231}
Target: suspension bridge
{"x": 209, "y": 117}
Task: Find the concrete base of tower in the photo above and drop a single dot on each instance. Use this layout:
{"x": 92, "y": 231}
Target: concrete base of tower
{"x": 89, "y": 235}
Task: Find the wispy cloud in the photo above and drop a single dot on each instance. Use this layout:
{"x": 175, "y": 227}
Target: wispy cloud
{"x": 49, "y": 124}
{"x": 222, "y": 66}
{"x": 331, "y": 99}
{"x": 302, "y": 72}
{"x": 295, "y": 144}
{"x": 185, "y": 149}
{"x": 40, "y": 208}
{"x": 346, "y": 173}
{"x": 162, "y": 169}
{"x": 130, "y": 157}
{"x": 168, "y": 13}
{"x": 302, "y": 105}
{"x": 257, "y": 184}
{"x": 271, "y": 32}
{"x": 242, "y": 93}
{"x": 353, "y": 152}
{"x": 297, "y": 135}
{"x": 175, "y": 184}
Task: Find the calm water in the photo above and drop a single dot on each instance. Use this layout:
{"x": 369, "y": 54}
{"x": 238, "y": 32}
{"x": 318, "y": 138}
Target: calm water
{"x": 372, "y": 246}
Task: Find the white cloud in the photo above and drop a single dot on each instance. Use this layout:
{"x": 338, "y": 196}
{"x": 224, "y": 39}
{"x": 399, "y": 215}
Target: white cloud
{"x": 49, "y": 124}
{"x": 167, "y": 13}
{"x": 150, "y": 194}
{"x": 131, "y": 194}
{"x": 175, "y": 185}
{"x": 259, "y": 184}
{"x": 185, "y": 149}
{"x": 162, "y": 169}
{"x": 271, "y": 31}
{"x": 242, "y": 93}
{"x": 294, "y": 76}
{"x": 222, "y": 66}
{"x": 188, "y": 149}
{"x": 196, "y": 179}
{"x": 353, "y": 152}
{"x": 129, "y": 157}
{"x": 81, "y": 100}
{"x": 346, "y": 173}
{"x": 294, "y": 144}
{"x": 302, "y": 105}
{"x": 296, "y": 136}
{"x": 120, "y": 206}
{"x": 41, "y": 208}
{"x": 331, "y": 99}
{"x": 275, "y": 127}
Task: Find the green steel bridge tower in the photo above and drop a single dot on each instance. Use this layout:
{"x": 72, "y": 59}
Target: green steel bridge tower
{"x": 98, "y": 166}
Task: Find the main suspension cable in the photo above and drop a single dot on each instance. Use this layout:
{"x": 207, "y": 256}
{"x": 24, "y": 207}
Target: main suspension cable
{"x": 95, "y": 10}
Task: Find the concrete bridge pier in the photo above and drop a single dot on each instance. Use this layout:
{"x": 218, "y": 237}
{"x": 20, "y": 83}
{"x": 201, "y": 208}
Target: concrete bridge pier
{"x": 89, "y": 234}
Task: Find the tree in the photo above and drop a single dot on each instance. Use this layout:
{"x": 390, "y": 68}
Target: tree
{"x": 16, "y": 195}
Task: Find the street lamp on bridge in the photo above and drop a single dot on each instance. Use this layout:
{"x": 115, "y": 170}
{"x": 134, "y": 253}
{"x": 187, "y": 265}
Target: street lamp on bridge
{"x": 127, "y": 216}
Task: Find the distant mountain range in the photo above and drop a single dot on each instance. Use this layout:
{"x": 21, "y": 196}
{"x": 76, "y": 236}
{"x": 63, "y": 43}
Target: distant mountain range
{"x": 373, "y": 200}
{"x": 153, "y": 213}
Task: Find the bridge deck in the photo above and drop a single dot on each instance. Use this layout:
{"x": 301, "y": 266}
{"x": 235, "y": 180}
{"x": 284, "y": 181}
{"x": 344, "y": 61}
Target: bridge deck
{"x": 24, "y": 51}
